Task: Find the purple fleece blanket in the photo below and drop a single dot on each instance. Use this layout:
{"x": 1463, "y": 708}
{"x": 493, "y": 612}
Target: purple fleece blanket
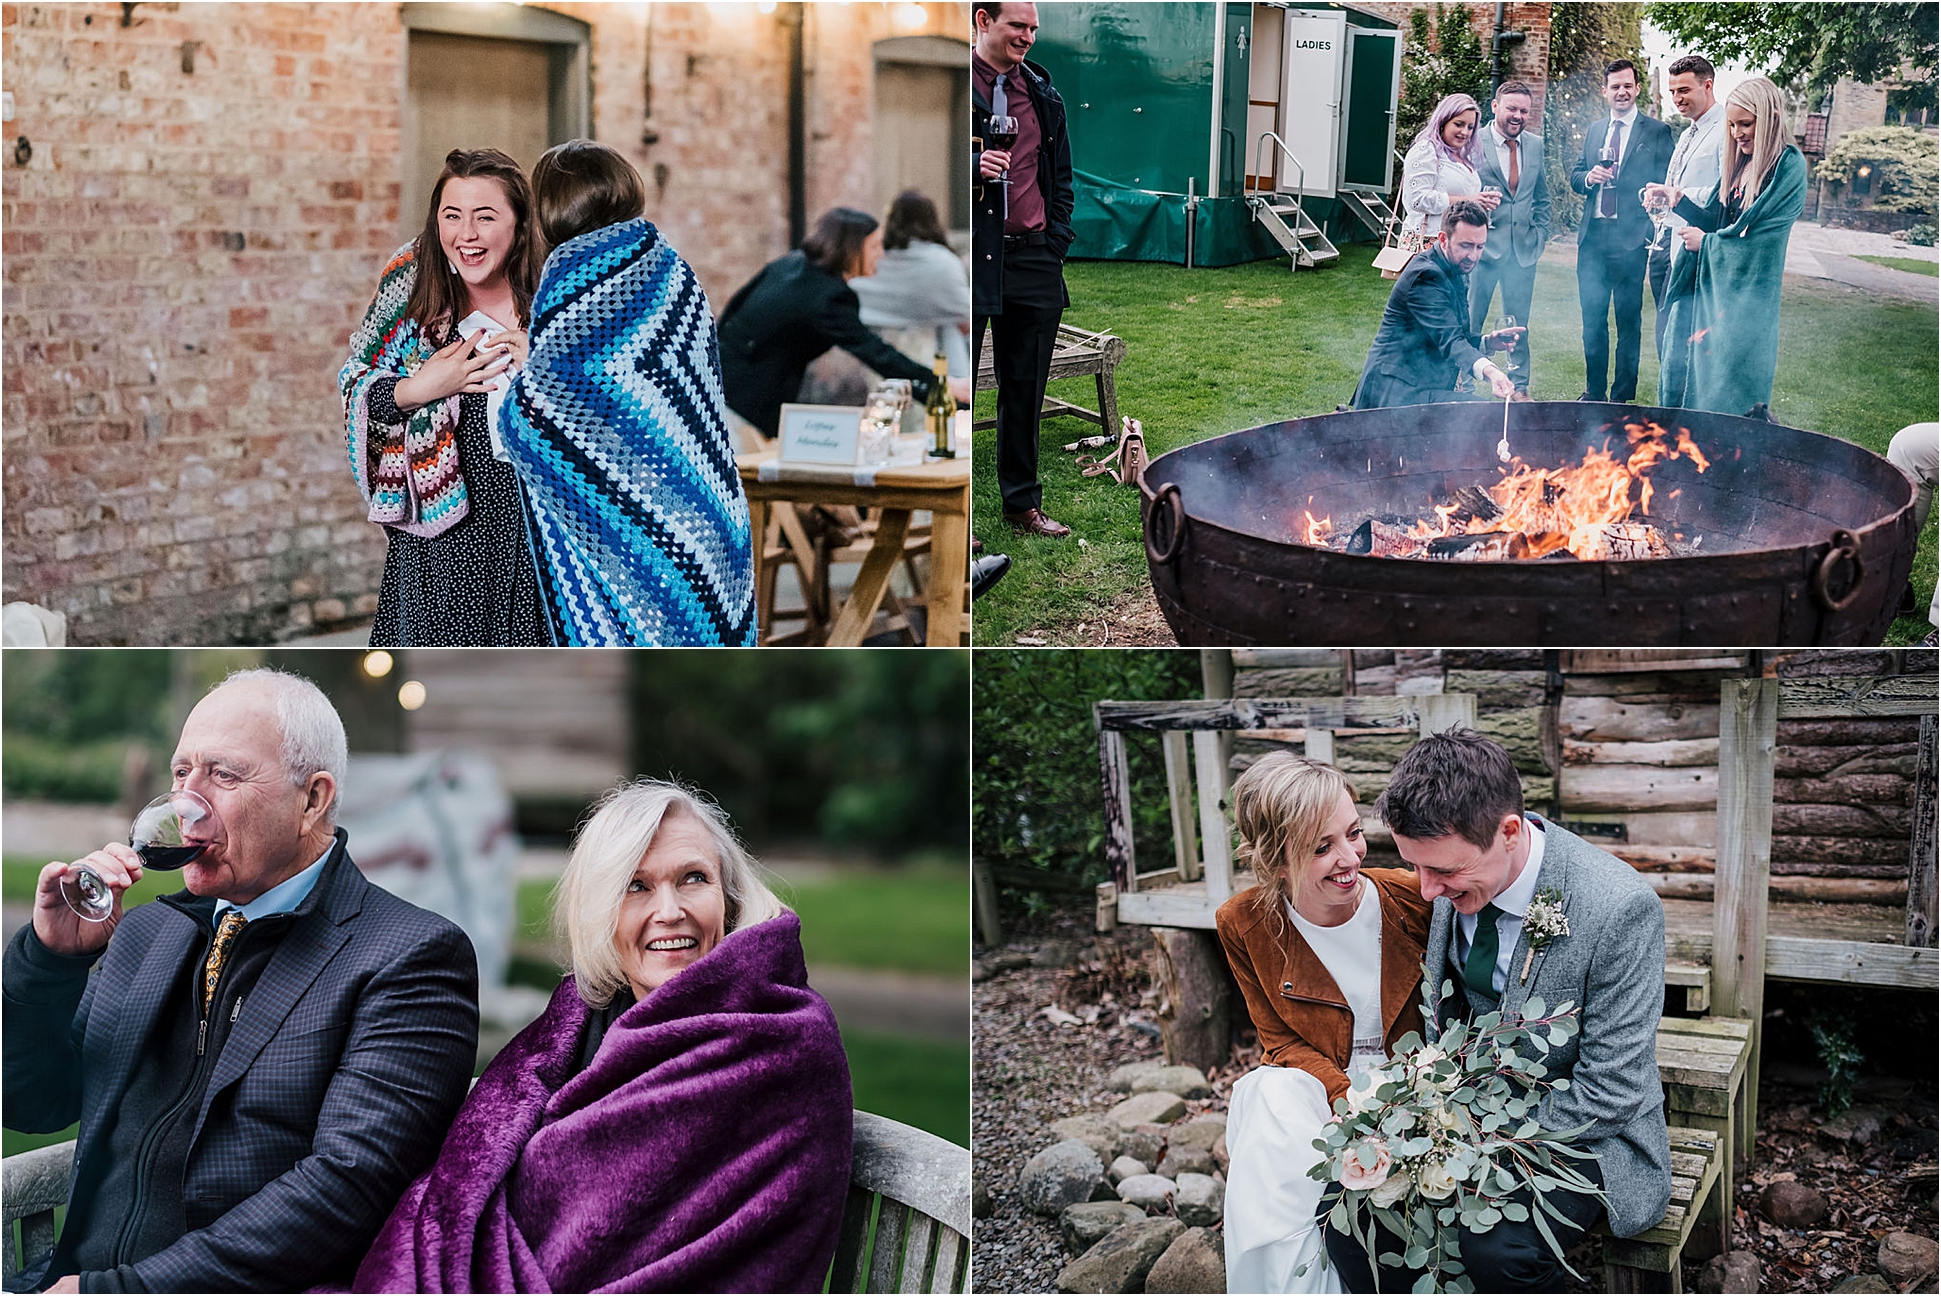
{"x": 706, "y": 1149}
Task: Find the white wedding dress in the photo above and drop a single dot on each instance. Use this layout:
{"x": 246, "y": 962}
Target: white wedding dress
{"x": 1275, "y": 1113}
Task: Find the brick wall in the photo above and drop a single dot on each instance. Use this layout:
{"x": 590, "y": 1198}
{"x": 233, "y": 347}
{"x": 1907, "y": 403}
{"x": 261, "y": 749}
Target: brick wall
{"x": 211, "y": 192}
{"x": 1528, "y": 62}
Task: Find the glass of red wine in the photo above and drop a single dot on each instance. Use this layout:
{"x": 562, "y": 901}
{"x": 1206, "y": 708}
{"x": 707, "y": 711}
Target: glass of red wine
{"x": 1001, "y": 134}
{"x": 166, "y": 835}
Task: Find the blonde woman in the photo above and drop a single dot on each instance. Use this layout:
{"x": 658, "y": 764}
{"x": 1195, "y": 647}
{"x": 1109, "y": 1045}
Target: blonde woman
{"x": 1329, "y": 960}
{"x": 679, "y": 1118}
{"x": 1722, "y": 339}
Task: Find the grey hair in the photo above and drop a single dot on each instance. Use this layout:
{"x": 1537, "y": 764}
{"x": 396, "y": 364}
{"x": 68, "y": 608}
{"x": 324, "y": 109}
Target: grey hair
{"x": 313, "y": 732}
{"x": 586, "y": 904}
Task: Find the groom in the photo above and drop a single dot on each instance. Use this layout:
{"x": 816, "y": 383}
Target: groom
{"x": 1455, "y": 806}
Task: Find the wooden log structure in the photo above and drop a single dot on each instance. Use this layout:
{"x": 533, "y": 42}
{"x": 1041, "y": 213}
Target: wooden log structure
{"x": 1921, "y": 847}
{"x": 1196, "y": 1015}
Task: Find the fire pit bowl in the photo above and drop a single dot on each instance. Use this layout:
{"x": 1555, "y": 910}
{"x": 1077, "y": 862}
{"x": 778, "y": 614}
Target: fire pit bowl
{"x": 1788, "y": 537}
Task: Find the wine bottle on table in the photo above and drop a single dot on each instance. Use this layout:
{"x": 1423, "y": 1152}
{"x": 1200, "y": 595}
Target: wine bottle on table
{"x": 940, "y": 407}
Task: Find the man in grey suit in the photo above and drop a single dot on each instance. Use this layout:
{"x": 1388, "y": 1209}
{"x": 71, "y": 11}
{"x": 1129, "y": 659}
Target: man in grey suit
{"x": 1510, "y": 159}
{"x": 1455, "y": 806}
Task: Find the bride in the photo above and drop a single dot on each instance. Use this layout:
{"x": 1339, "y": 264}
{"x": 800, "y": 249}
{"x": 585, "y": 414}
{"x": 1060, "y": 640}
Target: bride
{"x": 1329, "y": 959}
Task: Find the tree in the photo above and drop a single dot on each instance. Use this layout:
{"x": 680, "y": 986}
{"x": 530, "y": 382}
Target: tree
{"x": 1583, "y": 38}
{"x": 1452, "y": 63}
{"x": 1817, "y": 40}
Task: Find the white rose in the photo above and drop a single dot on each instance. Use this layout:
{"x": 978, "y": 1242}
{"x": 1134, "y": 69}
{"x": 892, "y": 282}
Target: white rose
{"x": 1392, "y": 1190}
{"x": 1436, "y": 1182}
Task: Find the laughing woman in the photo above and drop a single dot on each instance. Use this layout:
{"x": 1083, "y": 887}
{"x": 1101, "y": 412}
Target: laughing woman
{"x": 678, "y": 1119}
{"x": 444, "y": 329}
{"x": 1329, "y": 960}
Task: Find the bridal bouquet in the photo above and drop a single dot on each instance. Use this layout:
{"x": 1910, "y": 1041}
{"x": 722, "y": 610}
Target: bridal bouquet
{"x": 1445, "y": 1134}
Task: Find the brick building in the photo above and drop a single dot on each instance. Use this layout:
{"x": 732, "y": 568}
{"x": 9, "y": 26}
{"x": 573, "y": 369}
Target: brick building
{"x": 197, "y": 200}
{"x": 1527, "y": 60}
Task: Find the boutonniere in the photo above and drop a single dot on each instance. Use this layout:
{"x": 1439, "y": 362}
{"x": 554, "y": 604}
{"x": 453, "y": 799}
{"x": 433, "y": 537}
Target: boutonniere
{"x": 1544, "y": 921}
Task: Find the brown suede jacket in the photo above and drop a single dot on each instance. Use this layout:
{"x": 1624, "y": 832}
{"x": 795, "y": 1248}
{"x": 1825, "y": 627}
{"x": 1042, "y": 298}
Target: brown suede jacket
{"x": 1301, "y": 1015}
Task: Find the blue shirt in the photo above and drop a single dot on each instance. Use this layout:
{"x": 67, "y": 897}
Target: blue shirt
{"x": 281, "y": 898}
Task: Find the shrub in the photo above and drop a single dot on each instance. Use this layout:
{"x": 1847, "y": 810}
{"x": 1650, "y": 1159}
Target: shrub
{"x": 1906, "y": 163}
{"x": 1921, "y": 235}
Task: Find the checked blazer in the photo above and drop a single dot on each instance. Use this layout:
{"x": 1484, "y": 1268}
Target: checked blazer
{"x": 346, "y": 1061}
{"x": 1612, "y": 968}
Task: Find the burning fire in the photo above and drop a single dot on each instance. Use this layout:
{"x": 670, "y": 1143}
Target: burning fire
{"x": 1585, "y": 509}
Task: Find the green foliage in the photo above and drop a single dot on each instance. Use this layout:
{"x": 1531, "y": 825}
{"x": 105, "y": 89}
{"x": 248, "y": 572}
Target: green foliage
{"x": 1921, "y": 235}
{"x": 53, "y": 771}
{"x": 911, "y": 919}
{"x": 1036, "y": 801}
{"x": 864, "y": 749}
{"x": 1454, "y": 62}
{"x": 70, "y": 717}
{"x": 1833, "y": 1039}
{"x": 1906, "y": 163}
{"x": 1583, "y": 38}
{"x": 919, "y": 1081}
{"x": 1820, "y": 40}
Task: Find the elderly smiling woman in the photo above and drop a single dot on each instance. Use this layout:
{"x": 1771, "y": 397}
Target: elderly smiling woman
{"x": 679, "y": 1118}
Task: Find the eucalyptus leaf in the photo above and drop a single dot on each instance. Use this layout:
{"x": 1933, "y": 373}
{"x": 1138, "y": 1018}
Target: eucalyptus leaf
{"x": 1558, "y": 1034}
{"x": 1426, "y": 1283}
{"x": 1338, "y": 1217}
{"x": 1516, "y": 1211}
{"x": 1533, "y": 1006}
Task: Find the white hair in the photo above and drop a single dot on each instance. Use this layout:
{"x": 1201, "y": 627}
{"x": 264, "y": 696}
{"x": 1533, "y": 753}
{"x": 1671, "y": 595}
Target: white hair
{"x": 313, "y": 732}
{"x": 586, "y": 904}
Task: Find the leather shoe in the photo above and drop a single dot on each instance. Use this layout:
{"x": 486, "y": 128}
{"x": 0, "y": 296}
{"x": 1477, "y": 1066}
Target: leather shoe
{"x": 986, "y": 572}
{"x": 1034, "y": 522}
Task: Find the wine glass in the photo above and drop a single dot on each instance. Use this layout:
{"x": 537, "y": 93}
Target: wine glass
{"x": 1510, "y": 365}
{"x": 1659, "y": 211}
{"x": 1001, "y": 134}
{"x": 164, "y": 835}
{"x": 879, "y": 426}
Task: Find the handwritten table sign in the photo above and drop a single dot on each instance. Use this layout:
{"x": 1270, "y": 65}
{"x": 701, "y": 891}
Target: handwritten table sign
{"x": 821, "y": 434}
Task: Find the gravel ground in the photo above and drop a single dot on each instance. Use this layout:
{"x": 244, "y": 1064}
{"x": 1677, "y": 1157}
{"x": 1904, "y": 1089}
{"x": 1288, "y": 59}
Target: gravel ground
{"x": 1028, "y": 1073}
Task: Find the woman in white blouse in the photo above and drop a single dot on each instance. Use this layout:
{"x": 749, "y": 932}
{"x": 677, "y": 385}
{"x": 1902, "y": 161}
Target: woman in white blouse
{"x": 1441, "y": 168}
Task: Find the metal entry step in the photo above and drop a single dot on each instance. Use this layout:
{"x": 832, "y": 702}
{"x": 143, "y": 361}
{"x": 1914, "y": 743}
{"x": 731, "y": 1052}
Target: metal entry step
{"x": 1370, "y": 209}
{"x": 1295, "y": 231}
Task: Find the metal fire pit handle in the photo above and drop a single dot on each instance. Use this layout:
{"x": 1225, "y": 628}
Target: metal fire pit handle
{"x": 1176, "y": 534}
{"x": 1844, "y": 548}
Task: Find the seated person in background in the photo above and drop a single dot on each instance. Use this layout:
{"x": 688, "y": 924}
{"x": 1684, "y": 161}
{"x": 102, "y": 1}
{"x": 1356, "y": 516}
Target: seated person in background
{"x": 262, "y": 1061}
{"x": 678, "y": 1119}
{"x": 920, "y": 293}
{"x": 617, "y": 428}
{"x": 1424, "y": 342}
{"x": 796, "y": 308}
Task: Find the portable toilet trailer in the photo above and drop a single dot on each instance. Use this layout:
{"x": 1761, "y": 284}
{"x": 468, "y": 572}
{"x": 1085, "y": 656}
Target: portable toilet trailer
{"x": 1214, "y": 133}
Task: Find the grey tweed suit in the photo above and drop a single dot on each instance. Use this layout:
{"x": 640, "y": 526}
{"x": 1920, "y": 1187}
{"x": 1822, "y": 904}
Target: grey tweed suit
{"x": 1612, "y": 966}
{"x": 331, "y": 1093}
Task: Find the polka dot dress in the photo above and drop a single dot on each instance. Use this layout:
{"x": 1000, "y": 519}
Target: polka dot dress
{"x": 474, "y": 585}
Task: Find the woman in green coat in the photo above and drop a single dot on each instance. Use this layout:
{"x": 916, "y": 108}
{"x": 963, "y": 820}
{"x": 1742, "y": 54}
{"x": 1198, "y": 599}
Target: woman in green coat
{"x": 1722, "y": 340}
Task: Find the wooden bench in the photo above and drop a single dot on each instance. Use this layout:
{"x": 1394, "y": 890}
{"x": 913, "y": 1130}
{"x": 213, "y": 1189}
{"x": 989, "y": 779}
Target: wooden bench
{"x": 1650, "y": 1261}
{"x": 1705, "y": 1064}
{"x": 905, "y": 1226}
{"x": 1075, "y": 354}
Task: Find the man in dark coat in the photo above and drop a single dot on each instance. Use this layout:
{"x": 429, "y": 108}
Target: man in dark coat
{"x": 261, "y": 1062}
{"x": 1424, "y": 341}
{"x": 1019, "y": 235}
{"x": 1611, "y": 236}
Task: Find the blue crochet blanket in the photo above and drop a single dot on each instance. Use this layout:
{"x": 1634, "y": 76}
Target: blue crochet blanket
{"x": 619, "y": 434}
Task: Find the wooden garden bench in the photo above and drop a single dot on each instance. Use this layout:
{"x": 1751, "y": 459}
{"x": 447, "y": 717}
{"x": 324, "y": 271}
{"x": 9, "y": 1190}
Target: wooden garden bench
{"x": 1075, "y": 354}
{"x": 1650, "y": 1261}
{"x": 905, "y": 1226}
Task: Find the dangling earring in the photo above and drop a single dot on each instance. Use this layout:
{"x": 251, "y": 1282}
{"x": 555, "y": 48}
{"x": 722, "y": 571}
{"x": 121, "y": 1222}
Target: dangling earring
{"x": 453, "y": 265}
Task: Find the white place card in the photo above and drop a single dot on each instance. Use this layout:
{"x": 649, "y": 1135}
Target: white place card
{"x": 821, "y": 434}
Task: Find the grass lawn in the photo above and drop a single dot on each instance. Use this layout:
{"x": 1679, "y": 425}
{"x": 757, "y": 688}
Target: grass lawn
{"x": 1213, "y": 351}
{"x": 921, "y": 1082}
{"x": 1909, "y": 264}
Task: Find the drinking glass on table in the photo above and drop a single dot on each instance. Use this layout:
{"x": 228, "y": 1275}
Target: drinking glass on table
{"x": 880, "y": 420}
{"x": 167, "y": 834}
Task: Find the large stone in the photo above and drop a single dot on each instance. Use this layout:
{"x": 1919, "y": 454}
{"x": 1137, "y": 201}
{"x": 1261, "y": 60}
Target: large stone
{"x": 1195, "y": 1262}
{"x": 1736, "y": 1271}
{"x": 1200, "y": 1132}
{"x": 1120, "y": 1261}
{"x": 1146, "y": 1142}
{"x": 982, "y": 1207}
{"x": 1861, "y": 1285}
{"x": 1793, "y": 1205}
{"x": 1097, "y": 1132}
{"x": 1855, "y": 1125}
{"x": 1148, "y": 1191}
{"x": 1143, "y": 1077}
{"x": 1200, "y": 1201}
{"x": 1125, "y": 1168}
{"x": 1904, "y": 1257}
{"x": 1155, "y": 1106}
{"x": 1054, "y": 954}
{"x": 1186, "y": 1160}
{"x": 1220, "y": 1151}
{"x": 1085, "y": 1225}
{"x": 1059, "y": 1176}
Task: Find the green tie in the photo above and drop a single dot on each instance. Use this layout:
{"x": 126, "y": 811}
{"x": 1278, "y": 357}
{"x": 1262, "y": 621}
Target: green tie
{"x": 1479, "y": 973}
{"x": 232, "y": 922}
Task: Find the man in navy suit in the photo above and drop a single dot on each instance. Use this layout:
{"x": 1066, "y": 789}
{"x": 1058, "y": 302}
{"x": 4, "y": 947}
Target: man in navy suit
{"x": 261, "y": 1062}
{"x": 1612, "y": 235}
{"x": 1424, "y": 341}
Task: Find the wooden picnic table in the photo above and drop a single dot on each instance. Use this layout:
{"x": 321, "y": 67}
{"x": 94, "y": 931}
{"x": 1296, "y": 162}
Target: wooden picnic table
{"x": 1076, "y": 353}
{"x": 941, "y": 486}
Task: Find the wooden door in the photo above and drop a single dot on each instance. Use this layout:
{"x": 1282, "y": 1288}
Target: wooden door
{"x": 471, "y": 92}
{"x": 1263, "y": 93}
{"x": 919, "y": 144}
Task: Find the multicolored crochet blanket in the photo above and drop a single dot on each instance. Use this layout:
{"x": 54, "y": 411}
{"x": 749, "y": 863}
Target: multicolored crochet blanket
{"x": 408, "y": 471}
{"x": 619, "y": 433}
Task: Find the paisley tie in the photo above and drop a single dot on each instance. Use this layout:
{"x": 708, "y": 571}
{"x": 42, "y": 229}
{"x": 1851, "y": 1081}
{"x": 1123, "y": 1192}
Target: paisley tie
{"x": 232, "y": 922}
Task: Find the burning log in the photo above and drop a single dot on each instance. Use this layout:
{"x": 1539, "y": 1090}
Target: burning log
{"x": 1487, "y": 546}
{"x": 1474, "y": 503}
{"x": 1620, "y": 540}
{"x": 1383, "y": 540}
